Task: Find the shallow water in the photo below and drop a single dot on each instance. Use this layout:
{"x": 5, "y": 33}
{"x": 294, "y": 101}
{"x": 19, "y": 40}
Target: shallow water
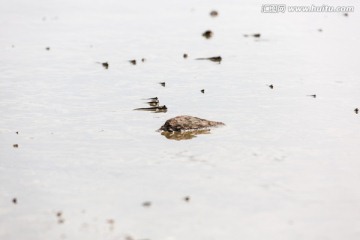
{"x": 285, "y": 166}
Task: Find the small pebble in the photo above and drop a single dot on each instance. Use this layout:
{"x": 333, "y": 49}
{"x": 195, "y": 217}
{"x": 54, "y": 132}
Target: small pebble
{"x": 214, "y": 13}
{"x": 356, "y": 110}
{"x": 14, "y": 200}
{"x": 47, "y": 48}
{"x": 133, "y": 62}
{"x": 271, "y": 86}
{"x": 208, "y": 34}
{"x": 143, "y": 59}
{"x": 15, "y": 145}
{"x": 185, "y": 55}
{"x": 105, "y": 65}
{"x": 187, "y": 199}
{"x": 146, "y": 204}
{"x": 162, "y": 84}
{"x": 203, "y": 90}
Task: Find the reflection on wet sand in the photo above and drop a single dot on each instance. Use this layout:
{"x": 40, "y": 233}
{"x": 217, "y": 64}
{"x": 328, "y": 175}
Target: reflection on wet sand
{"x": 186, "y": 135}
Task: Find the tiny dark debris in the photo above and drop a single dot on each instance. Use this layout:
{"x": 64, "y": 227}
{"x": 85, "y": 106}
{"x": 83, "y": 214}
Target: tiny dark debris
{"x": 187, "y": 199}
{"x": 185, "y": 55}
{"x": 105, "y": 65}
{"x": 346, "y": 14}
{"x": 271, "y": 86}
{"x": 208, "y": 34}
{"x": 143, "y": 59}
{"x": 214, "y": 13}
{"x": 203, "y": 90}
{"x": 47, "y": 48}
{"x": 146, "y": 204}
{"x": 15, "y": 145}
{"x": 313, "y": 95}
{"x": 213, "y": 59}
{"x": 356, "y": 110}
{"x": 14, "y": 200}
{"x": 17, "y": 132}
{"x": 133, "y": 62}
{"x": 162, "y": 84}
{"x": 255, "y": 35}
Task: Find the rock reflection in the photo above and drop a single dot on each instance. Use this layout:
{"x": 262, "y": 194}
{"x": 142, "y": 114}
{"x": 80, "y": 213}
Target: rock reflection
{"x": 186, "y": 135}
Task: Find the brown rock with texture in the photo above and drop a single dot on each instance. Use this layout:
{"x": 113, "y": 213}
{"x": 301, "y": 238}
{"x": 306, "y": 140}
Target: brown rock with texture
{"x": 185, "y": 123}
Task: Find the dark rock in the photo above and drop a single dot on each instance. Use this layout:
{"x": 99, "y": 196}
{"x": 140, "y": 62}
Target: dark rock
{"x": 133, "y": 62}
{"x": 214, "y": 13}
{"x": 162, "y": 84}
{"x": 356, "y": 110}
{"x": 208, "y": 34}
{"x": 15, "y": 145}
{"x": 185, "y": 55}
{"x": 105, "y": 65}
{"x": 203, "y": 90}
{"x": 185, "y": 123}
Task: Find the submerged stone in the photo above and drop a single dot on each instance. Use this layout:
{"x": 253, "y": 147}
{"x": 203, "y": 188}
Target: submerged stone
{"x": 186, "y": 123}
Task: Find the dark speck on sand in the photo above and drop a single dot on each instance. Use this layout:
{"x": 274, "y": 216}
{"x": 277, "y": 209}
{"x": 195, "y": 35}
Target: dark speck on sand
{"x": 208, "y": 34}
{"x": 146, "y": 204}
{"x": 14, "y": 200}
{"x": 214, "y": 13}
